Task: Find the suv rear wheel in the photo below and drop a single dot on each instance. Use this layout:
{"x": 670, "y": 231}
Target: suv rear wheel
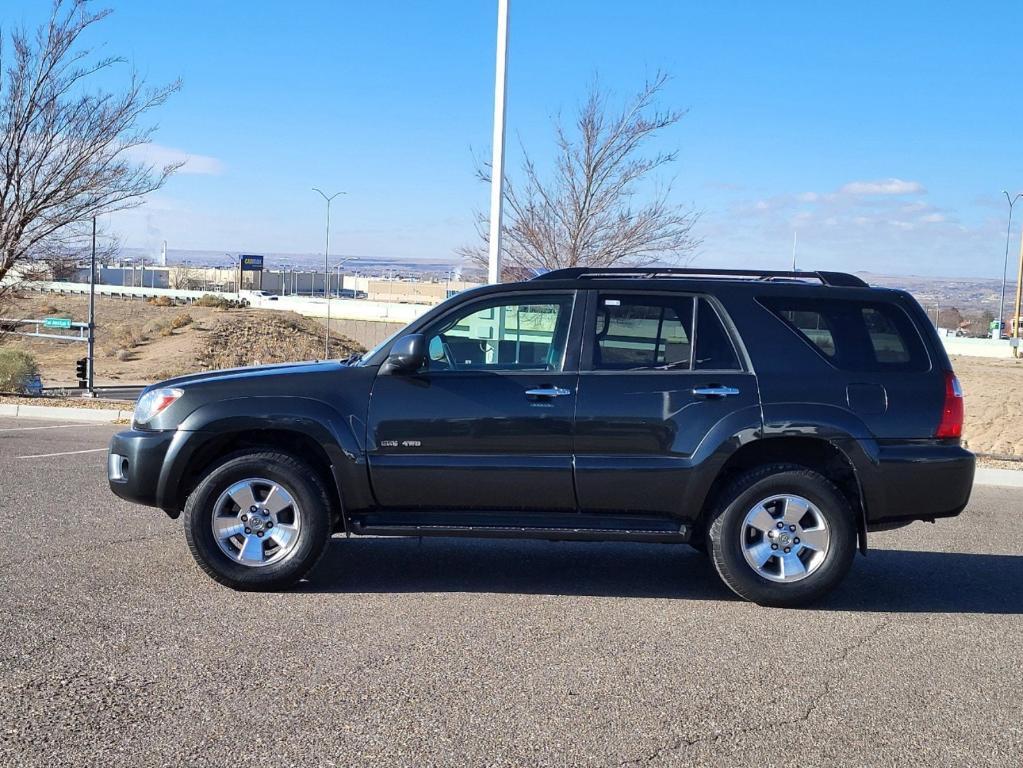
{"x": 258, "y": 521}
{"x": 783, "y": 536}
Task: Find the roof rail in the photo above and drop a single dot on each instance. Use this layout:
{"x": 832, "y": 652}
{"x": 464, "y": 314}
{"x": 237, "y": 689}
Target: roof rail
{"x": 837, "y": 279}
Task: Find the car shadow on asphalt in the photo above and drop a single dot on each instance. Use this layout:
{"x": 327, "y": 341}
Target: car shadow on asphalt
{"x": 887, "y": 580}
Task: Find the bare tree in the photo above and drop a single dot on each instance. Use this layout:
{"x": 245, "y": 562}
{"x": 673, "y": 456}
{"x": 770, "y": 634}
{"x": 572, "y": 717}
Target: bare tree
{"x": 585, "y": 211}
{"x": 185, "y": 277}
{"x": 65, "y": 147}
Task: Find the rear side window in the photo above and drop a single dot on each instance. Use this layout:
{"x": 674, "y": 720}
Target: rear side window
{"x": 854, "y": 335}
{"x": 637, "y": 332}
{"x": 643, "y": 332}
{"x": 714, "y": 348}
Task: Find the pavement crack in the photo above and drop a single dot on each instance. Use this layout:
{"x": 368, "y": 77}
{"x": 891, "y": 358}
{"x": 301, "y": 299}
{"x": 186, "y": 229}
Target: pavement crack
{"x": 830, "y": 685}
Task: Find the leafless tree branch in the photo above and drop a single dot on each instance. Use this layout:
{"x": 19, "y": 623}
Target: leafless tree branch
{"x": 65, "y": 149}
{"x": 586, "y": 213}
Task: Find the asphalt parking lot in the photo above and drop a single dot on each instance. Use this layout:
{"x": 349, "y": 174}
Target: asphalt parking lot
{"x": 116, "y": 650}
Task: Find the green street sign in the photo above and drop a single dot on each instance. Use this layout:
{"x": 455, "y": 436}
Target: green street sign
{"x": 57, "y": 322}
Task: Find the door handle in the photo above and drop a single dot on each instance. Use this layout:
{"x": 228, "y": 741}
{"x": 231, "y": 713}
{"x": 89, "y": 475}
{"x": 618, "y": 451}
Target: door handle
{"x": 548, "y": 392}
{"x": 715, "y": 390}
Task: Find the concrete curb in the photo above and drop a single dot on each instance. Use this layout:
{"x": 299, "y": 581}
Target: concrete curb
{"x": 1007, "y": 478}
{"x": 98, "y": 415}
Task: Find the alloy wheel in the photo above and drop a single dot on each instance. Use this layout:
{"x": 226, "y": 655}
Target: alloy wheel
{"x": 256, "y": 522}
{"x": 785, "y": 538}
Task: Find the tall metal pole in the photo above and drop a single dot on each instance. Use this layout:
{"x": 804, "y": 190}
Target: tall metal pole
{"x": 1019, "y": 297}
{"x": 1005, "y": 266}
{"x": 497, "y": 163}
{"x": 91, "y": 354}
{"x": 326, "y": 272}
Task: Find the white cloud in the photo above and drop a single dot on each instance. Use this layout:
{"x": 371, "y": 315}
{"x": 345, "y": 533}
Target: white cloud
{"x": 883, "y": 187}
{"x": 933, "y": 218}
{"x": 159, "y": 156}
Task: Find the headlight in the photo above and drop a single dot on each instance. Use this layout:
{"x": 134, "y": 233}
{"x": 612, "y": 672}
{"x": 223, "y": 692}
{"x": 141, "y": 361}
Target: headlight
{"x": 153, "y": 402}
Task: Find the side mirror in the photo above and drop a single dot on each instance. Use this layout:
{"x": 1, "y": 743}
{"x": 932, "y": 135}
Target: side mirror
{"x": 407, "y": 355}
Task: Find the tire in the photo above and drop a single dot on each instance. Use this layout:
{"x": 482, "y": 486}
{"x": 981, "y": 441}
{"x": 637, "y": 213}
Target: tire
{"x": 744, "y": 532}
{"x": 293, "y": 514}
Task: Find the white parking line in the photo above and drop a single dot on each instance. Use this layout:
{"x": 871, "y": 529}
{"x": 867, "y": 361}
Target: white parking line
{"x": 51, "y": 426}
{"x": 64, "y": 453}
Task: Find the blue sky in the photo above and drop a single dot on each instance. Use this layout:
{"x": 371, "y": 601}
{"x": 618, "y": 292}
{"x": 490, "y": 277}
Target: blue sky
{"x": 882, "y": 132}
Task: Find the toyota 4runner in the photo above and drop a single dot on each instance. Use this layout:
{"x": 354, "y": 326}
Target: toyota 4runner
{"x": 769, "y": 419}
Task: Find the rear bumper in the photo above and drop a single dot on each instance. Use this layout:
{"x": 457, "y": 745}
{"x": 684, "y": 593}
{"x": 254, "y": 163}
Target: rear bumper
{"x": 917, "y": 481}
{"x": 134, "y": 462}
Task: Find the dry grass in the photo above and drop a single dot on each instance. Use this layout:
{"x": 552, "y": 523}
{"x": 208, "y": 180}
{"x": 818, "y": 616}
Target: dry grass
{"x": 140, "y": 342}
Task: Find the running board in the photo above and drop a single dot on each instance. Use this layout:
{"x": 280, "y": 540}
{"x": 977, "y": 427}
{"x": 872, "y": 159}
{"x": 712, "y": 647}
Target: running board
{"x": 509, "y": 526}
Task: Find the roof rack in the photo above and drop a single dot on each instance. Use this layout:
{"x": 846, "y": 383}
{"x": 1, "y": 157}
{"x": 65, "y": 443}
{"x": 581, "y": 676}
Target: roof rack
{"x": 836, "y": 279}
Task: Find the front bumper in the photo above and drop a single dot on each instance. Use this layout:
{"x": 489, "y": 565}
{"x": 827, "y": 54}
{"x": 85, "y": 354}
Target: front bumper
{"x": 134, "y": 462}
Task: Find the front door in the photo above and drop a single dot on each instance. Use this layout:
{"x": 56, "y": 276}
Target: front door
{"x": 662, "y": 384}
{"x": 487, "y": 423}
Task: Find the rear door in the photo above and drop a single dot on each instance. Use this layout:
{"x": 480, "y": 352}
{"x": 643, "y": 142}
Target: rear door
{"x": 662, "y": 380}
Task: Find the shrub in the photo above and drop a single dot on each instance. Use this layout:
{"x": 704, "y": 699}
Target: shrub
{"x": 129, "y": 336}
{"x": 161, "y": 301}
{"x": 180, "y": 321}
{"x": 16, "y": 369}
{"x": 216, "y": 302}
{"x": 124, "y": 354}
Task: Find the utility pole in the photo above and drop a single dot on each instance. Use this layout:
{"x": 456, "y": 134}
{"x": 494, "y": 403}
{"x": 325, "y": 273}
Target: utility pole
{"x": 326, "y": 273}
{"x": 795, "y": 234}
{"x": 1019, "y": 296}
{"x": 497, "y": 163}
{"x": 1005, "y": 265}
{"x": 91, "y": 354}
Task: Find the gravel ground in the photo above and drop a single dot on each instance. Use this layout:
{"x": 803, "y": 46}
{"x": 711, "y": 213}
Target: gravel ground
{"x": 116, "y": 651}
{"x": 64, "y": 402}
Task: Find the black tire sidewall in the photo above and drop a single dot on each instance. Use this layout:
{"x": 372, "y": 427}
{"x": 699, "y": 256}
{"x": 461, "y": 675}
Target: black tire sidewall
{"x": 726, "y": 538}
{"x": 299, "y": 480}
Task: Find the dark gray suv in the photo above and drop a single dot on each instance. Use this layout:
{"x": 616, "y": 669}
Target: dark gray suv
{"x": 770, "y": 419}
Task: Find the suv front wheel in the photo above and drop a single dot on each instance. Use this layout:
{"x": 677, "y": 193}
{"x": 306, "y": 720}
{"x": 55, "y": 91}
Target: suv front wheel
{"x": 783, "y": 536}
{"x": 258, "y": 521}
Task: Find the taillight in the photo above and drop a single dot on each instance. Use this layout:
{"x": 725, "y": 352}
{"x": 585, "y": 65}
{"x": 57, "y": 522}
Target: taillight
{"x": 951, "y": 424}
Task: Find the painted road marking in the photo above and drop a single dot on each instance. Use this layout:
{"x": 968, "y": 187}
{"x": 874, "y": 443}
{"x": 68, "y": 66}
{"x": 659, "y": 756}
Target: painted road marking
{"x": 51, "y": 426}
{"x": 64, "y": 453}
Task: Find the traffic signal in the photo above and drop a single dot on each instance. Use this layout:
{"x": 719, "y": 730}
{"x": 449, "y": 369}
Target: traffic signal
{"x": 82, "y": 371}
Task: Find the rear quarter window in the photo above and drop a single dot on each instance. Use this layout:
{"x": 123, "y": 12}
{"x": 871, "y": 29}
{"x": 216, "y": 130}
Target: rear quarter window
{"x": 854, "y": 335}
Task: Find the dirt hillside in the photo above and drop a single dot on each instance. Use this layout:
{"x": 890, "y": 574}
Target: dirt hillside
{"x": 138, "y": 342}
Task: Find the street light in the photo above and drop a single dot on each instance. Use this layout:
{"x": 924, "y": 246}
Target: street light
{"x": 497, "y": 161}
{"x": 238, "y": 260}
{"x": 1005, "y": 266}
{"x": 326, "y": 271}
{"x": 340, "y": 287}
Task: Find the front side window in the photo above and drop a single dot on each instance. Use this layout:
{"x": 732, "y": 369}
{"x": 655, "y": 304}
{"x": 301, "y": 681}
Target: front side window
{"x": 524, "y": 333}
{"x": 636, "y": 333}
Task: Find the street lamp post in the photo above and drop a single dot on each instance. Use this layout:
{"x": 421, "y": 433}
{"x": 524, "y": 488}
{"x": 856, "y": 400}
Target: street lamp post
{"x": 237, "y": 259}
{"x": 1005, "y": 266}
{"x": 326, "y": 271}
{"x": 340, "y": 286}
{"x": 497, "y": 161}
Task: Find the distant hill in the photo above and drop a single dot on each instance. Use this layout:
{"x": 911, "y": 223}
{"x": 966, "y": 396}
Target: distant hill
{"x": 964, "y": 293}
